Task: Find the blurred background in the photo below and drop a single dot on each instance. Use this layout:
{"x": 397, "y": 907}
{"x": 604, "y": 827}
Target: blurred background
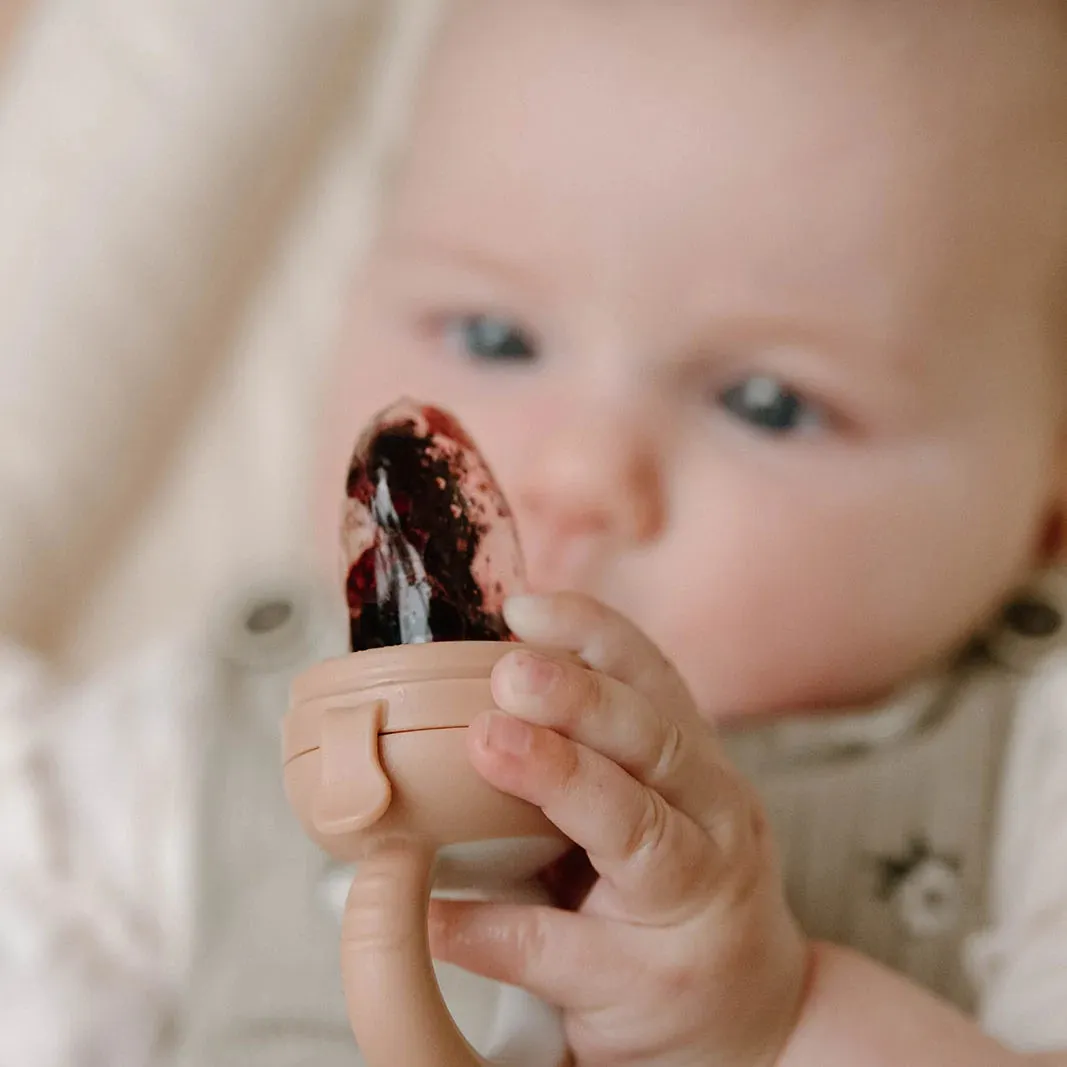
{"x": 180, "y": 214}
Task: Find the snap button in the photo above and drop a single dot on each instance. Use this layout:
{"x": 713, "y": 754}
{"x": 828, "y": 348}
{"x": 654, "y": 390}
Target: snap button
{"x": 1030, "y": 626}
{"x": 930, "y": 900}
{"x": 1031, "y": 617}
{"x": 267, "y": 629}
{"x": 267, "y": 617}
{"x": 925, "y": 889}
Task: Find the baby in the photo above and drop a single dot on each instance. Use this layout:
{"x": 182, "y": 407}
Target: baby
{"x": 756, "y": 310}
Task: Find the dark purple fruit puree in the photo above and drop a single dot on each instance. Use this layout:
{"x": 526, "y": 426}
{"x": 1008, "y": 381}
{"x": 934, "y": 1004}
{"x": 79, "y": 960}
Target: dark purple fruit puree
{"x": 430, "y": 546}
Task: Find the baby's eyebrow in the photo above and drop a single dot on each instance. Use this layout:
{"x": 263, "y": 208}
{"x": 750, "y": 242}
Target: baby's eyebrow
{"x": 440, "y": 252}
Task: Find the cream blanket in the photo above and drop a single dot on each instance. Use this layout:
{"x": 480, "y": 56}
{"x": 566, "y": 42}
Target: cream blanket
{"x": 179, "y": 215}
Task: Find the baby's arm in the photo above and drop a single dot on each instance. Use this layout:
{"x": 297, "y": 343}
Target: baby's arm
{"x": 856, "y": 1012}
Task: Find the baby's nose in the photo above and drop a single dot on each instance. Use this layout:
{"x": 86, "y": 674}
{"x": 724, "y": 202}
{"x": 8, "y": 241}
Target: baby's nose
{"x": 592, "y": 485}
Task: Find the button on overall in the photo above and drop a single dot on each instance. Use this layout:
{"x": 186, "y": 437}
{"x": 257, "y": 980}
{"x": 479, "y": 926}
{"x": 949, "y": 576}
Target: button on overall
{"x": 930, "y": 900}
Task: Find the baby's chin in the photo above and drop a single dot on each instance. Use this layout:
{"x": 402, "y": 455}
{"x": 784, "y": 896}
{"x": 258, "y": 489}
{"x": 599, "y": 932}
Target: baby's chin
{"x": 827, "y": 698}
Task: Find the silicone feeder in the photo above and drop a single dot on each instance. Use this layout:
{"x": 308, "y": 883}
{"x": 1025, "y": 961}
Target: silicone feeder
{"x": 374, "y": 744}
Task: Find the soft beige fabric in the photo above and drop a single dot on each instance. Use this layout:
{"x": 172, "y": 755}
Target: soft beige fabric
{"x": 1022, "y": 960}
{"x": 179, "y": 211}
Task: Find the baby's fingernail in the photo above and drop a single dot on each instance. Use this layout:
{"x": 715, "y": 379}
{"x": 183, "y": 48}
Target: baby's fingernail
{"x": 532, "y": 675}
{"x": 506, "y": 734}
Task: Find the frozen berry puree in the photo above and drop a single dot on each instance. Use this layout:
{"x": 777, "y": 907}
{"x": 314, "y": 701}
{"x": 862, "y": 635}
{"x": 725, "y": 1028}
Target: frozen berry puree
{"x": 430, "y": 546}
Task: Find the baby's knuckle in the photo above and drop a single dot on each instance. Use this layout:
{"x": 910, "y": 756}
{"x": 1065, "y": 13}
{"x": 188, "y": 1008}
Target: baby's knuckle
{"x": 730, "y": 837}
{"x": 531, "y": 938}
{"x": 590, "y": 694}
{"x": 564, "y": 756}
{"x": 669, "y": 750}
{"x": 650, "y": 828}
{"x": 761, "y": 835}
{"x": 747, "y": 854}
{"x": 735, "y": 823}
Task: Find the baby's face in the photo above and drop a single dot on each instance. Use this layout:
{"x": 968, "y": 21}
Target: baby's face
{"x": 752, "y": 312}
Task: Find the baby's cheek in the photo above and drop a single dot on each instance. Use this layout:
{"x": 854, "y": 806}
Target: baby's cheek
{"x": 770, "y": 611}
{"x": 731, "y": 644}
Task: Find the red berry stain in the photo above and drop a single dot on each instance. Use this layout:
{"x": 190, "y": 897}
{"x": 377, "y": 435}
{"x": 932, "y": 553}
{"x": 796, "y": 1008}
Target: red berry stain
{"x": 421, "y": 504}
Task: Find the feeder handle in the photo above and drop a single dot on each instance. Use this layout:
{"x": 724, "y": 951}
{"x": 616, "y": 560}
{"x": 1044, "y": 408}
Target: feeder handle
{"x": 394, "y": 1002}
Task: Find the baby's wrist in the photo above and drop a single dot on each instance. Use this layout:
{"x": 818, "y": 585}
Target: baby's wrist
{"x": 787, "y": 1054}
{"x": 779, "y": 1046}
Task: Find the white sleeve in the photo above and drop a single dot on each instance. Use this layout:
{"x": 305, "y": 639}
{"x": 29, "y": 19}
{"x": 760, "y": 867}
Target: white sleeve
{"x": 94, "y": 822}
{"x": 1021, "y": 961}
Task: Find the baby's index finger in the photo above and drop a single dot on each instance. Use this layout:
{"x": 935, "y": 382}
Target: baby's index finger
{"x": 680, "y": 760}
{"x": 605, "y": 640}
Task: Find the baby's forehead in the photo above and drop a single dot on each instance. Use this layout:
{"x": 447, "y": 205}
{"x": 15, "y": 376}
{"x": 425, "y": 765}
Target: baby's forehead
{"x": 947, "y": 78}
{"x": 963, "y": 60}
{"x": 926, "y": 133}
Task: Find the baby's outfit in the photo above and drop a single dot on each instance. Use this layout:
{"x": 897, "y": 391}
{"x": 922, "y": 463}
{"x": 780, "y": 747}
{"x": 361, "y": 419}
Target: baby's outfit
{"x": 160, "y": 905}
{"x": 930, "y": 834}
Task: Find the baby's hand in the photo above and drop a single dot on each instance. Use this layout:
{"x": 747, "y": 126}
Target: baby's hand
{"x": 684, "y": 951}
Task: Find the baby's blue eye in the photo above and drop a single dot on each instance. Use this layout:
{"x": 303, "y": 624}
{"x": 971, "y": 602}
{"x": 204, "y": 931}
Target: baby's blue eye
{"x": 768, "y": 405}
{"x": 493, "y": 339}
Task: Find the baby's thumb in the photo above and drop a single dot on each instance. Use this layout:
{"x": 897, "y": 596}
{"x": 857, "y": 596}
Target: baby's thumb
{"x": 559, "y": 957}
